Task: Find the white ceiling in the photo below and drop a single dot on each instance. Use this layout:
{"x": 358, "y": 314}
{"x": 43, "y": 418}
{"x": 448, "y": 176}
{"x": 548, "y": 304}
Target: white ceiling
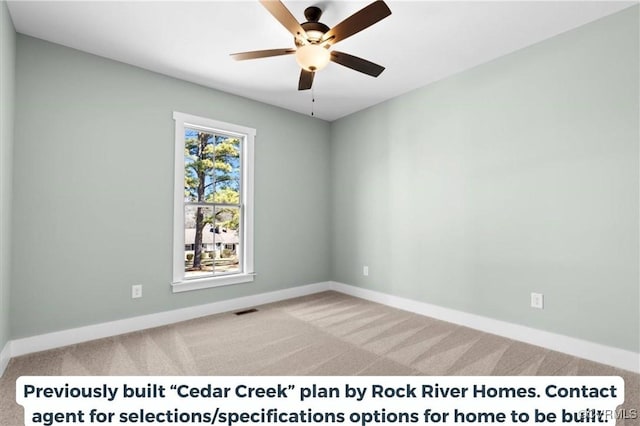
{"x": 421, "y": 42}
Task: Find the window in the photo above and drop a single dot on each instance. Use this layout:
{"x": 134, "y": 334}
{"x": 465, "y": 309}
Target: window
{"x": 213, "y": 203}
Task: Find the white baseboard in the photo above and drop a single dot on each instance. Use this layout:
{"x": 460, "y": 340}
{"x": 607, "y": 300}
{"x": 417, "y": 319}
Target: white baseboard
{"x": 5, "y": 356}
{"x": 113, "y": 328}
{"x": 615, "y": 357}
{"x": 620, "y": 358}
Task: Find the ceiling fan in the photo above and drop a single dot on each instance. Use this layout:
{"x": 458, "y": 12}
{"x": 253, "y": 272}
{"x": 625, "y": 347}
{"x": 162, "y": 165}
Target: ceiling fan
{"x": 313, "y": 39}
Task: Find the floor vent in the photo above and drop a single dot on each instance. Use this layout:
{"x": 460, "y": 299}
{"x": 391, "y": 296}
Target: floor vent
{"x": 248, "y": 311}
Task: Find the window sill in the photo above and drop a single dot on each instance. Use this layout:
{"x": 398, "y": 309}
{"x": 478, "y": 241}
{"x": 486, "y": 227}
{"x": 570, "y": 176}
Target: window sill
{"x": 201, "y": 283}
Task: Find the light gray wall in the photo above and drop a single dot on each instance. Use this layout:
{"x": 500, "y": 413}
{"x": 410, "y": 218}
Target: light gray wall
{"x": 518, "y": 176}
{"x": 93, "y": 192}
{"x": 7, "y": 91}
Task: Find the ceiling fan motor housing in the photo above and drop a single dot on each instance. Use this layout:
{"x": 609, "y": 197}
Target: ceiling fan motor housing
{"x": 314, "y": 29}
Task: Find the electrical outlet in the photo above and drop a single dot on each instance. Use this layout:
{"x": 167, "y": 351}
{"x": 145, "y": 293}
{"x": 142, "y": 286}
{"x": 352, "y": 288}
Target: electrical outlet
{"x": 537, "y": 300}
{"x": 365, "y": 271}
{"x": 136, "y": 291}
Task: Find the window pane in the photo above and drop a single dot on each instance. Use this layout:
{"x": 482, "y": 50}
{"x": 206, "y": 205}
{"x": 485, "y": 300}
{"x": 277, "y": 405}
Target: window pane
{"x": 199, "y": 160}
{"x": 227, "y": 170}
{"x": 227, "y": 240}
{"x": 198, "y": 242}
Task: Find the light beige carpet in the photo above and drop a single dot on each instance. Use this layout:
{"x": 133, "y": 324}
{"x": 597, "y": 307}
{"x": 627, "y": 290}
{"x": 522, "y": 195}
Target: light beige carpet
{"x": 323, "y": 334}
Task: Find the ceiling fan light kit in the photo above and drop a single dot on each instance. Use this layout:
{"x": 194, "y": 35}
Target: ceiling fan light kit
{"x": 314, "y": 40}
{"x": 312, "y": 57}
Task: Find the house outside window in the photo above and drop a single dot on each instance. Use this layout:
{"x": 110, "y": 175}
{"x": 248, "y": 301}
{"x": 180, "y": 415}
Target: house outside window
{"x": 213, "y": 203}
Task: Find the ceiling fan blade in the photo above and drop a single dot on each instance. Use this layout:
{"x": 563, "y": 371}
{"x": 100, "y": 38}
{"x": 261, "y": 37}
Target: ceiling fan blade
{"x": 356, "y": 63}
{"x": 282, "y": 14}
{"x": 364, "y": 18}
{"x": 306, "y": 80}
{"x": 241, "y": 56}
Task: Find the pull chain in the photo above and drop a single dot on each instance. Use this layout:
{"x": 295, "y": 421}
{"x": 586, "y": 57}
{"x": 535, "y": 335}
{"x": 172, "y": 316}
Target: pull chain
{"x": 313, "y": 101}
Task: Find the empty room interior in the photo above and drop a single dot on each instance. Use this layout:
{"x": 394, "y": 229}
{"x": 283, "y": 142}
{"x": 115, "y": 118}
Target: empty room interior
{"x": 453, "y": 191}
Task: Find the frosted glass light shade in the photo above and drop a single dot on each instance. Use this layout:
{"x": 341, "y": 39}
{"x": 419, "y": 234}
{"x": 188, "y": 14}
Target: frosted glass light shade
{"x": 312, "y": 57}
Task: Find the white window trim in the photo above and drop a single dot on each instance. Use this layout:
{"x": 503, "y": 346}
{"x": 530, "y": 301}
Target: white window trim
{"x": 179, "y": 283}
